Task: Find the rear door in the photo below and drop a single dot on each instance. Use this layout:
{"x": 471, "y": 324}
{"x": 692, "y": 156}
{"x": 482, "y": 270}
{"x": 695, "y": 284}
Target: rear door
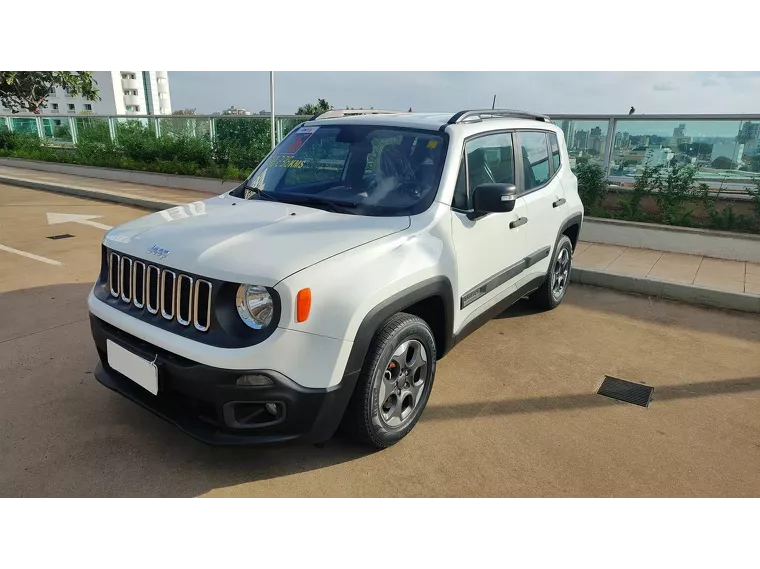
{"x": 543, "y": 193}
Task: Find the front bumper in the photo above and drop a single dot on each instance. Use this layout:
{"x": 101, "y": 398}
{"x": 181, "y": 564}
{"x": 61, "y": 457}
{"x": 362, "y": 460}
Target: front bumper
{"x": 206, "y": 403}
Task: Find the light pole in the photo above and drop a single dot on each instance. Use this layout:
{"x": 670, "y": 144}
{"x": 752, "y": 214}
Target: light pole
{"x": 271, "y": 107}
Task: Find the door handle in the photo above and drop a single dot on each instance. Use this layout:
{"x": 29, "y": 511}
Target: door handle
{"x": 518, "y": 222}
{"x": 559, "y": 202}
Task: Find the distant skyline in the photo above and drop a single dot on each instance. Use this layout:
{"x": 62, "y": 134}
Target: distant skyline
{"x": 549, "y": 92}
{"x": 694, "y": 129}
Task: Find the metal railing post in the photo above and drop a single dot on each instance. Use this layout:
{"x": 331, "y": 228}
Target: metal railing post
{"x": 73, "y": 130}
{"x": 609, "y": 143}
{"x": 271, "y": 108}
{"x": 112, "y": 129}
{"x": 279, "y": 130}
{"x": 158, "y": 127}
{"x": 212, "y": 130}
{"x": 40, "y": 127}
{"x": 9, "y": 123}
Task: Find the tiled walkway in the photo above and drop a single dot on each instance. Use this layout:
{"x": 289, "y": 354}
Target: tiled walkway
{"x": 718, "y": 274}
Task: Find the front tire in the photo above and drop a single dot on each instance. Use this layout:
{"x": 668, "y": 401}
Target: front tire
{"x": 395, "y": 382}
{"x": 552, "y": 292}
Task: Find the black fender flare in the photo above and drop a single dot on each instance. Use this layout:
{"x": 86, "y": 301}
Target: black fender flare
{"x": 439, "y": 286}
{"x": 574, "y": 219}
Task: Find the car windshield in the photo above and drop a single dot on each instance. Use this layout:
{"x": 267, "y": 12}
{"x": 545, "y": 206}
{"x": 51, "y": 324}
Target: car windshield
{"x": 353, "y": 169}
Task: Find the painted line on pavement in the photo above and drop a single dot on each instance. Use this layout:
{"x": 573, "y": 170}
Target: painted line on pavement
{"x": 30, "y": 255}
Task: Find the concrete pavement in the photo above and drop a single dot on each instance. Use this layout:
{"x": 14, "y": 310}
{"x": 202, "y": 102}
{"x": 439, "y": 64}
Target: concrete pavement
{"x": 514, "y": 410}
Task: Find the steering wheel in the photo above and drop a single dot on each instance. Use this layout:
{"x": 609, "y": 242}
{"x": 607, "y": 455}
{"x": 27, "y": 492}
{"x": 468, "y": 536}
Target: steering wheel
{"x": 411, "y": 189}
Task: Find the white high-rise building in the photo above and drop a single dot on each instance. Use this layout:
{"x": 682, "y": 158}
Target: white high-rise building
{"x": 121, "y": 93}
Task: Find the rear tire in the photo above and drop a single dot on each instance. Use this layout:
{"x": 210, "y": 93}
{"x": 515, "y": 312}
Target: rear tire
{"x": 552, "y": 292}
{"x": 395, "y": 382}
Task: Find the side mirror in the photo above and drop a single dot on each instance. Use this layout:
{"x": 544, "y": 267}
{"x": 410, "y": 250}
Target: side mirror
{"x": 493, "y": 198}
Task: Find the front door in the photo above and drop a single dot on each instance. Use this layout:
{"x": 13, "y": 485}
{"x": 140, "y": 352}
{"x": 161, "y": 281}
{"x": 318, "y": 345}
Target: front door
{"x": 489, "y": 249}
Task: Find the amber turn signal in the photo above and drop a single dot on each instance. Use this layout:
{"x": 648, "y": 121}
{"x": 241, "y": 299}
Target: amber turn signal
{"x": 303, "y": 304}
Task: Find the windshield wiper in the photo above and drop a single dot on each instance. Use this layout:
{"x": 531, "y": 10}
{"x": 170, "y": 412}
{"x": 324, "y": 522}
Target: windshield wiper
{"x": 258, "y": 192}
{"x": 335, "y": 206}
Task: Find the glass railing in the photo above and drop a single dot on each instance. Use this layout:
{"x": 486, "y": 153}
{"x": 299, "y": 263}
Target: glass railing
{"x": 723, "y": 149}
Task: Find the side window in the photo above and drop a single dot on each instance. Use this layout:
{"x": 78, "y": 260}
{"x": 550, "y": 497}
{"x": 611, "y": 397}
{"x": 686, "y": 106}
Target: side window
{"x": 535, "y": 155}
{"x": 490, "y": 159}
{"x": 555, "y": 150}
{"x": 460, "y": 190}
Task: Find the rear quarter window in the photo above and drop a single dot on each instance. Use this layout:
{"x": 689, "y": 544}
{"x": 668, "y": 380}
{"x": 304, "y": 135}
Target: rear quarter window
{"x": 554, "y": 143}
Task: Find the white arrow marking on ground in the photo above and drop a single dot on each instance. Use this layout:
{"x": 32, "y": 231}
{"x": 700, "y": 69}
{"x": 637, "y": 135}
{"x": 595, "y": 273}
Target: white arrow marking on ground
{"x": 30, "y": 255}
{"x": 56, "y": 218}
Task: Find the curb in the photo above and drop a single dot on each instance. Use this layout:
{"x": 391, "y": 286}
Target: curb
{"x": 690, "y": 294}
{"x": 145, "y": 203}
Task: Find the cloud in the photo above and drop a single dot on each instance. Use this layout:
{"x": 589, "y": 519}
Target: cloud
{"x": 710, "y": 82}
{"x": 549, "y": 92}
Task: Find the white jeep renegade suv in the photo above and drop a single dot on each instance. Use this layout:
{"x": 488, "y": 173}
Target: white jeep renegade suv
{"x": 322, "y": 291}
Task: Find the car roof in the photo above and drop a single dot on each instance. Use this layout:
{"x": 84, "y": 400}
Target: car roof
{"x": 432, "y": 121}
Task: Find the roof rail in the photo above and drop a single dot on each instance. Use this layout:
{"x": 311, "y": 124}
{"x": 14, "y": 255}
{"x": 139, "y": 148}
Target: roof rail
{"x": 336, "y": 113}
{"x": 481, "y": 114}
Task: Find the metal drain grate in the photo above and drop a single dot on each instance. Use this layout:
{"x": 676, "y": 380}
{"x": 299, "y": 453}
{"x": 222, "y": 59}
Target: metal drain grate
{"x": 61, "y": 236}
{"x": 626, "y": 391}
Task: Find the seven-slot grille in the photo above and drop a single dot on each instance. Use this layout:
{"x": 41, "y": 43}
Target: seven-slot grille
{"x": 175, "y": 296}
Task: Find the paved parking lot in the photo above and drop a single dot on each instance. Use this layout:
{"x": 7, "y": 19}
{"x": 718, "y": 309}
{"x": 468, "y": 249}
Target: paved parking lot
{"x": 513, "y": 412}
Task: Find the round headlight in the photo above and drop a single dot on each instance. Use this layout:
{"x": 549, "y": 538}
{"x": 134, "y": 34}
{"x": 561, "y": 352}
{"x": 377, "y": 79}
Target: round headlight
{"x": 255, "y": 306}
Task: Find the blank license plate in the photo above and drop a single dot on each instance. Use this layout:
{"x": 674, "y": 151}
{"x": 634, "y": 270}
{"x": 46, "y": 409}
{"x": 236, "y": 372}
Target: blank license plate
{"x": 139, "y": 370}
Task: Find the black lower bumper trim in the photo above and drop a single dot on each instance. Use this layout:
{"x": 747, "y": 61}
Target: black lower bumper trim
{"x": 198, "y": 398}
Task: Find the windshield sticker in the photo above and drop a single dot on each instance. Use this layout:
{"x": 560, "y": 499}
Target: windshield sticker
{"x": 432, "y": 144}
{"x": 301, "y": 136}
{"x": 285, "y": 161}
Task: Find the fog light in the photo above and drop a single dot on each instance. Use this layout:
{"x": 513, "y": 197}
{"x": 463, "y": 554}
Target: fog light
{"x": 271, "y": 409}
{"x": 254, "y": 381}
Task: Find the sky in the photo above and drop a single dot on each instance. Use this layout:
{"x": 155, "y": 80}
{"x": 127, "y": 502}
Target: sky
{"x": 561, "y": 92}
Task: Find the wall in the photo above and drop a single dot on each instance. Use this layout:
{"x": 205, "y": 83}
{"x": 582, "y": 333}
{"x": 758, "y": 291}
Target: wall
{"x": 718, "y": 244}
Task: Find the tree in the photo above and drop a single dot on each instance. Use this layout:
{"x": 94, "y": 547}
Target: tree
{"x": 311, "y": 109}
{"x": 723, "y": 163}
{"x": 29, "y": 90}
{"x": 184, "y": 112}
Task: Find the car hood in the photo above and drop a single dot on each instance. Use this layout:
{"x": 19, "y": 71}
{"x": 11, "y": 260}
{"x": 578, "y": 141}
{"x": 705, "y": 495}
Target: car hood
{"x": 254, "y": 241}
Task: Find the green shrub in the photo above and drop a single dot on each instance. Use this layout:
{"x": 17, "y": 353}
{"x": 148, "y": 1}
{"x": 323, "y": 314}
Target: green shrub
{"x": 631, "y": 208}
{"x": 674, "y": 190}
{"x": 592, "y": 186}
{"x": 755, "y": 196}
{"x": 725, "y": 218}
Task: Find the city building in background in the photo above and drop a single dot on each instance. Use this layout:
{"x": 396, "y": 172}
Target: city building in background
{"x": 121, "y": 93}
{"x": 233, "y": 111}
{"x": 724, "y": 151}
{"x": 679, "y": 137}
{"x": 749, "y": 135}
